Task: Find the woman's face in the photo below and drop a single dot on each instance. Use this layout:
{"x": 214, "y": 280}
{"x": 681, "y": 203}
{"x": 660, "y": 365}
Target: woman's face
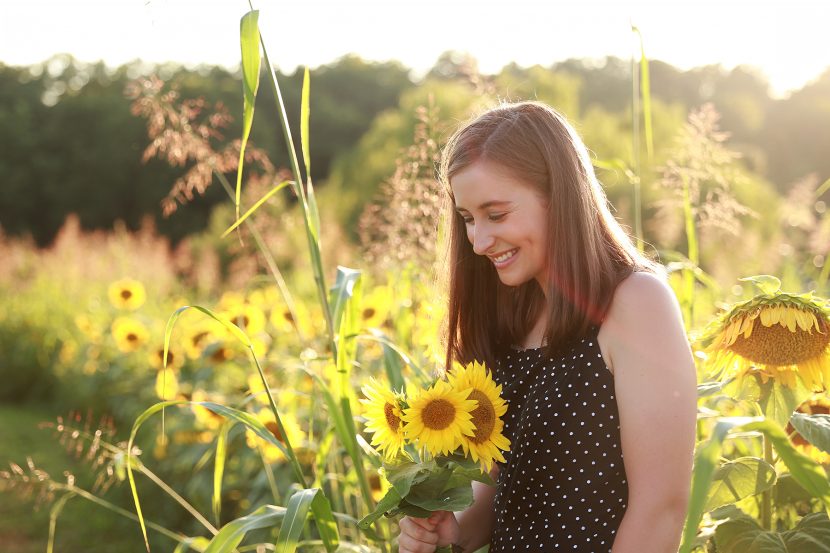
{"x": 506, "y": 221}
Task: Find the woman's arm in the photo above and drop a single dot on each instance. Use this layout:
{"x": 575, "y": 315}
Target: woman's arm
{"x": 655, "y": 384}
{"x": 476, "y": 523}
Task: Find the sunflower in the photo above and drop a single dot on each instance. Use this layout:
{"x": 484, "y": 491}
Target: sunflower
{"x": 129, "y": 334}
{"x": 439, "y": 417}
{"x": 271, "y": 452}
{"x": 175, "y": 358}
{"x": 249, "y": 318}
{"x": 127, "y": 294}
{"x": 374, "y": 307}
{"x": 817, "y": 405}
{"x": 383, "y": 414}
{"x": 484, "y": 445}
{"x": 776, "y": 335}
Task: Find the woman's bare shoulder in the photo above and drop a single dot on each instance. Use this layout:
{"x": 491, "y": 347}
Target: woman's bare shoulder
{"x": 644, "y": 311}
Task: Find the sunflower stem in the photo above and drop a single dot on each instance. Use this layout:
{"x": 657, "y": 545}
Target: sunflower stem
{"x": 766, "y": 495}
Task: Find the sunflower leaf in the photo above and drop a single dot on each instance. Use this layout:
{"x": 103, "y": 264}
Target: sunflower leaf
{"x": 735, "y": 480}
{"x": 768, "y": 284}
{"x": 813, "y": 428}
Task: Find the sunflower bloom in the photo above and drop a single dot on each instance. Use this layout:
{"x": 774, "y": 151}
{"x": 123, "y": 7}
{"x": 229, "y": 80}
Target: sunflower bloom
{"x": 485, "y": 443}
{"x": 439, "y": 417}
{"x": 778, "y": 335}
{"x": 384, "y": 419}
{"x": 271, "y": 452}
{"x": 817, "y": 405}
{"x": 127, "y": 294}
{"x": 129, "y": 334}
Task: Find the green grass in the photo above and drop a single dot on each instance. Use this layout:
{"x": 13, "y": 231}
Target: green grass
{"x": 24, "y": 522}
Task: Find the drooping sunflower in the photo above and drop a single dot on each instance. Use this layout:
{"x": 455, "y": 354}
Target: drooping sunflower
{"x": 485, "y": 443}
{"x": 384, "y": 418}
{"x": 437, "y": 418}
{"x": 129, "y": 334}
{"x": 127, "y": 294}
{"x": 778, "y": 335}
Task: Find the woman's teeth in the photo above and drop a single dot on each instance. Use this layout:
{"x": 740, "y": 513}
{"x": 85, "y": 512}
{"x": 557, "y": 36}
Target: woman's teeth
{"x": 505, "y": 256}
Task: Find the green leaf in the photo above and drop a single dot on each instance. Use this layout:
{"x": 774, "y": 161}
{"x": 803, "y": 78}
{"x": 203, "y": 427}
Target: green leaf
{"x": 296, "y": 513}
{"x": 342, "y": 292}
{"x": 232, "y": 534}
{"x": 768, "y": 284}
{"x": 735, "y": 480}
{"x": 219, "y": 469}
{"x": 809, "y": 474}
{"x": 402, "y": 476}
{"x": 813, "y": 428}
{"x": 389, "y": 502}
{"x": 778, "y": 402}
{"x": 197, "y": 544}
{"x": 453, "y": 499}
{"x": 305, "y": 112}
{"x": 249, "y": 41}
{"x": 707, "y": 389}
{"x": 256, "y": 206}
{"x": 742, "y": 534}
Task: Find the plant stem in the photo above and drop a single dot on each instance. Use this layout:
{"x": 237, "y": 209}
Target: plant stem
{"x": 766, "y": 495}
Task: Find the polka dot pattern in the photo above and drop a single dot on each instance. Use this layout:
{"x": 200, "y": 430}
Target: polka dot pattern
{"x": 563, "y": 487}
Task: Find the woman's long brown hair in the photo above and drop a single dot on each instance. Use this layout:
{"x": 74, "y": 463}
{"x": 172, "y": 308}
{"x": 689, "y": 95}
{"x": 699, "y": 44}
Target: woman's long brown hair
{"x": 589, "y": 252}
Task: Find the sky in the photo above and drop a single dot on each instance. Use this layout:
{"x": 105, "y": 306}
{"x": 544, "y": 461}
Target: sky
{"x": 782, "y": 38}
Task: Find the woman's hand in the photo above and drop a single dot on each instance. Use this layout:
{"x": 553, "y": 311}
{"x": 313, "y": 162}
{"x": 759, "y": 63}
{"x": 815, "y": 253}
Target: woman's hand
{"x": 424, "y": 535}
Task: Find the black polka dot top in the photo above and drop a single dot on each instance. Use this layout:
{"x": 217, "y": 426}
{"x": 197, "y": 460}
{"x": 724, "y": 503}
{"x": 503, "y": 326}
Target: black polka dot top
{"x": 563, "y": 487}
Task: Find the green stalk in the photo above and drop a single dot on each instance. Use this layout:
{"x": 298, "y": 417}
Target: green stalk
{"x": 269, "y": 258}
{"x": 694, "y": 256}
{"x": 292, "y": 457}
{"x": 118, "y": 510}
{"x": 766, "y": 495}
{"x": 269, "y": 475}
{"x": 635, "y": 151}
{"x": 316, "y": 261}
{"x": 766, "y": 444}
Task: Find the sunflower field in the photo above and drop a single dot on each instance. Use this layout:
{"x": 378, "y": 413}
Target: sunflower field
{"x": 241, "y": 390}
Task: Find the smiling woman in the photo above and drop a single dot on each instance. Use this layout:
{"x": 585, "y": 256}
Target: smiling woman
{"x": 584, "y": 336}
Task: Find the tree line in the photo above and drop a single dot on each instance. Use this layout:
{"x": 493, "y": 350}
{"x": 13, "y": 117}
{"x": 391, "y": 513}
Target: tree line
{"x": 71, "y": 145}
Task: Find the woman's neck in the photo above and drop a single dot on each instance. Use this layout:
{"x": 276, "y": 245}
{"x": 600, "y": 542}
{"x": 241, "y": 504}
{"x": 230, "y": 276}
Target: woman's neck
{"x": 536, "y": 336}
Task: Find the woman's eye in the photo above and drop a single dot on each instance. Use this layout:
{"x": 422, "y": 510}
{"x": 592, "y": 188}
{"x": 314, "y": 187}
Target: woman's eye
{"x": 496, "y": 216}
{"x": 468, "y": 220}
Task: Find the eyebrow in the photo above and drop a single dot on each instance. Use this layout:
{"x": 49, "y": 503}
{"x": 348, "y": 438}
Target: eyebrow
{"x": 485, "y": 205}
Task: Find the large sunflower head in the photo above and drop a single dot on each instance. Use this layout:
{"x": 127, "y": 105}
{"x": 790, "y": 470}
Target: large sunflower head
{"x": 129, "y": 334}
{"x": 127, "y": 294}
{"x": 383, "y": 418}
{"x": 487, "y": 439}
{"x": 438, "y": 418}
{"x": 295, "y": 434}
{"x": 819, "y": 404}
{"x": 776, "y": 335}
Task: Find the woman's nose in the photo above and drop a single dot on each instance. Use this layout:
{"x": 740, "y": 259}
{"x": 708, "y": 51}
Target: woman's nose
{"x": 482, "y": 239}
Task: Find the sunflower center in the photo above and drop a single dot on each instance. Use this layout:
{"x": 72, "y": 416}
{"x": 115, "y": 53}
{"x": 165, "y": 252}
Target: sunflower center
{"x": 288, "y": 316}
{"x": 132, "y": 337}
{"x": 126, "y": 294}
{"x": 776, "y": 345}
{"x": 392, "y": 420}
{"x": 438, "y": 414}
{"x": 484, "y": 417}
{"x": 368, "y": 313}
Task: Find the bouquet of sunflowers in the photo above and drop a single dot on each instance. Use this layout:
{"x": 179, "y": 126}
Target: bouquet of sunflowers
{"x": 436, "y": 441}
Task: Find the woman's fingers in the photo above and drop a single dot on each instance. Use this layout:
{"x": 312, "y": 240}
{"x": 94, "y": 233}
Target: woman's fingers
{"x": 417, "y": 536}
